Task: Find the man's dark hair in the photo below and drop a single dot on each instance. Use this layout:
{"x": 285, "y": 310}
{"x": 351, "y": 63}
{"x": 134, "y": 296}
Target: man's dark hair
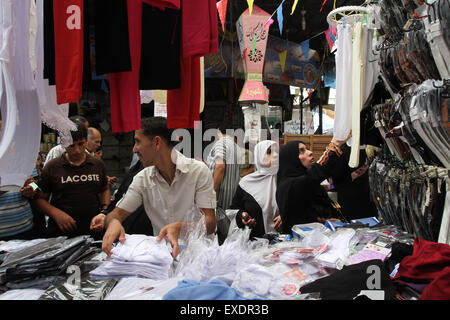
{"x": 157, "y": 126}
{"x": 224, "y": 126}
{"x": 80, "y": 133}
{"x": 78, "y": 118}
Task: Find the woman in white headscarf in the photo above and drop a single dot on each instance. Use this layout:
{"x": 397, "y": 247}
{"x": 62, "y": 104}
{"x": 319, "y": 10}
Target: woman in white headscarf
{"x": 255, "y": 194}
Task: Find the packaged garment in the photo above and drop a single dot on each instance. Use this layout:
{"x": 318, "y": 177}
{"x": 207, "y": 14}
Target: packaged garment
{"x": 52, "y": 262}
{"x": 370, "y": 252}
{"x": 339, "y": 248}
{"x": 139, "y": 255}
{"x": 17, "y": 245}
{"x": 32, "y": 251}
{"x": 203, "y": 260}
{"x": 275, "y": 282}
{"x": 142, "y": 289}
{"x": 22, "y": 294}
{"x": 88, "y": 289}
{"x": 302, "y": 230}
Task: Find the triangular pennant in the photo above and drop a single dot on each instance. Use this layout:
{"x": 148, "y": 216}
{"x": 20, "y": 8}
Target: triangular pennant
{"x": 305, "y": 48}
{"x": 268, "y": 24}
{"x": 330, "y": 34}
{"x": 282, "y": 56}
{"x": 324, "y": 1}
{"x": 280, "y": 17}
{"x": 294, "y": 6}
{"x": 250, "y": 6}
{"x": 222, "y": 9}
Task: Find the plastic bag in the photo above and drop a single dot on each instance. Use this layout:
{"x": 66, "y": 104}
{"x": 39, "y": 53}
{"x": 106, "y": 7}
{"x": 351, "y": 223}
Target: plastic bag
{"x": 88, "y": 289}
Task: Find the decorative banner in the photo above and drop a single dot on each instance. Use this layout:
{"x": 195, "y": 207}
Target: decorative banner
{"x": 253, "y": 37}
{"x": 330, "y": 34}
{"x": 282, "y": 56}
{"x": 222, "y": 9}
{"x": 294, "y": 6}
{"x": 280, "y": 17}
{"x": 250, "y": 6}
{"x": 305, "y": 48}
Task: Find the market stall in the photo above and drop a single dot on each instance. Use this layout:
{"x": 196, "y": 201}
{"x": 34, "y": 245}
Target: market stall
{"x": 403, "y": 253}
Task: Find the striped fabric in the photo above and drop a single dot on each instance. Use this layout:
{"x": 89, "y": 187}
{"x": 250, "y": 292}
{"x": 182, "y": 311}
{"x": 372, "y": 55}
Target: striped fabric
{"x": 227, "y": 150}
{"x": 331, "y": 148}
{"x": 15, "y": 212}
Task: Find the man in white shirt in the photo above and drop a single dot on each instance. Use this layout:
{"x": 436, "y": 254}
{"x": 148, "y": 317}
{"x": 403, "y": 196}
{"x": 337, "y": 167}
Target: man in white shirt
{"x": 169, "y": 187}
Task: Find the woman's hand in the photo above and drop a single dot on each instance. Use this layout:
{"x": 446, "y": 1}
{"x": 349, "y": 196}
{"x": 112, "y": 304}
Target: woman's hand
{"x": 248, "y": 220}
{"x": 277, "y": 223}
{"x": 341, "y": 142}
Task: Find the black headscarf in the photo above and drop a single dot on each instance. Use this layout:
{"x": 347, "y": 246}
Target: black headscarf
{"x": 289, "y": 162}
{"x": 301, "y": 207}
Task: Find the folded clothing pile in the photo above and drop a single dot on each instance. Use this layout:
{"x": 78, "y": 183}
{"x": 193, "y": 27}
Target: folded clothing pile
{"x": 48, "y": 258}
{"x": 138, "y": 256}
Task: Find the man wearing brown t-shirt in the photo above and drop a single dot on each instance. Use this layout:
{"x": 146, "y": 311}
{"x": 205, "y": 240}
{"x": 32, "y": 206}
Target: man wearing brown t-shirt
{"x": 78, "y": 185}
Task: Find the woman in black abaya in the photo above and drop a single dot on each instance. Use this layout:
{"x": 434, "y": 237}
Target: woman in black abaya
{"x": 300, "y": 197}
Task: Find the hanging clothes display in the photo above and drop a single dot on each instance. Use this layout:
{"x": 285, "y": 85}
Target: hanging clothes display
{"x": 343, "y": 119}
{"x": 160, "y": 65}
{"x": 357, "y": 90}
{"x": 124, "y": 86}
{"x": 112, "y": 48}
{"x": 9, "y": 106}
{"x": 69, "y": 43}
{"x": 52, "y": 115}
{"x": 197, "y": 40}
{"x": 15, "y": 165}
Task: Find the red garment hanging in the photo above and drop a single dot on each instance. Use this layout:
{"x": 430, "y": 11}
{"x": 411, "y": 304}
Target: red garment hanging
{"x": 183, "y": 105}
{"x": 199, "y": 28}
{"x": 162, "y": 4}
{"x": 124, "y": 86}
{"x": 125, "y": 97}
{"x": 69, "y": 37}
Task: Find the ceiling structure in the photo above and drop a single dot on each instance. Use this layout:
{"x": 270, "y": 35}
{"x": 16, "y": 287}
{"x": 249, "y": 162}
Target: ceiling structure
{"x": 315, "y": 20}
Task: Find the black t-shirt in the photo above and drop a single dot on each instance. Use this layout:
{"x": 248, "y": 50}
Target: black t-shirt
{"x": 74, "y": 190}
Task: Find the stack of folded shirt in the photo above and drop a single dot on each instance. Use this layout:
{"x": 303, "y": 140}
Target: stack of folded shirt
{"x": 138, "y": 256}
{"x": 52, "y": 258}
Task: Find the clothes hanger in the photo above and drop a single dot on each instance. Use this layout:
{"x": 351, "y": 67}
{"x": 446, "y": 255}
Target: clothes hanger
{"x": 349, "y": 14}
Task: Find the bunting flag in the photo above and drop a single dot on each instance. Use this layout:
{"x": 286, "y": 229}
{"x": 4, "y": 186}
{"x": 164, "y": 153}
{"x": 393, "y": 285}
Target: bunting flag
{"x": 250, "y": 7}
{"x": 330, "y": 34}
{"x": 280, "y": 16}
{"x": 305, "y": 49}
{"x": 282, "y": 56}
{"x": 294, "y": 6}
{"x": 222, "y": 9}
{"x": 268, "y": 24}
{"x": 324, "y": 2}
